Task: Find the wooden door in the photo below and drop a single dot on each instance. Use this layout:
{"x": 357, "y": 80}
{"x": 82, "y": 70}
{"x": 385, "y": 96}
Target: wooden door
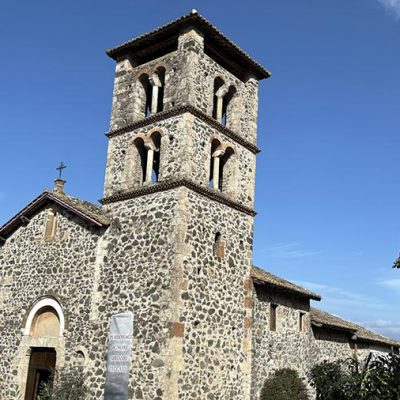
{"x": 41, "y": 363}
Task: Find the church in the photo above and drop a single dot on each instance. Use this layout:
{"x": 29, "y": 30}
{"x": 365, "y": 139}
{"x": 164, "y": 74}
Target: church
{"x": 171, "y": 242}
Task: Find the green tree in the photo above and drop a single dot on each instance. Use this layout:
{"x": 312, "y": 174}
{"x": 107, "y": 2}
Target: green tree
{"x": 284, "y": 384}
{"x": 67, "y": 384}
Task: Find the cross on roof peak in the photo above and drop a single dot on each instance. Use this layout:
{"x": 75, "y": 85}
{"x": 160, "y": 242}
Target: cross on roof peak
{"x": 60, "y": 169}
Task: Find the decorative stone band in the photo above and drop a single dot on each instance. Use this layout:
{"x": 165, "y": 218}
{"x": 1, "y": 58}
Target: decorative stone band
{"x": 172, "y": 184}
{"x": 181, "y": 110}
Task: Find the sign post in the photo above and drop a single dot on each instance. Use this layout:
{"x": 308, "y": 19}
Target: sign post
{"x": 119, "y": 357}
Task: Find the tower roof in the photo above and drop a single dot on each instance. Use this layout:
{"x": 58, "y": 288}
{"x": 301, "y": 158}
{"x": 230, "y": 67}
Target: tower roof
{"x": 215, "y": 40}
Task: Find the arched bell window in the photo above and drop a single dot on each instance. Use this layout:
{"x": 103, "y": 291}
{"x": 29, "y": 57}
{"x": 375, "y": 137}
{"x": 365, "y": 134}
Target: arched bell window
{"x": 221, "y": 166}
{"x": 147, "y": 156}
{"x": 145, "y": 94}
{"x": 151, "y": 91}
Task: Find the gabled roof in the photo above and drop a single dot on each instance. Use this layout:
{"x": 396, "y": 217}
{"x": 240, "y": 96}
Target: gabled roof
{"x": 87, "y": 211}
{"x": 263, "y": 277}
{"x": 211, "y": 34}
{"x": 323, "y": 319}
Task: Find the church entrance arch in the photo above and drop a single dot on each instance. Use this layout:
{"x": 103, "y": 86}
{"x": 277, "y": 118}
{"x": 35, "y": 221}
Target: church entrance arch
{"x": 42, "y": 347}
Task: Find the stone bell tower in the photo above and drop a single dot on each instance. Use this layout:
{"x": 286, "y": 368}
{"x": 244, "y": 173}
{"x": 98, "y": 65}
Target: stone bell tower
{"x": 179, "y": 189}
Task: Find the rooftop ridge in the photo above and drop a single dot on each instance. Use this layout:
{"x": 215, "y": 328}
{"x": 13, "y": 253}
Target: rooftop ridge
{"x": 192, "y": 16}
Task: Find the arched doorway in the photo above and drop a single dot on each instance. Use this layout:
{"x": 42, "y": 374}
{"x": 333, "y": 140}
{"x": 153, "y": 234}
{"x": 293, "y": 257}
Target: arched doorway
{"x": 41, "y": 364}
{"x": 44, "y": 326}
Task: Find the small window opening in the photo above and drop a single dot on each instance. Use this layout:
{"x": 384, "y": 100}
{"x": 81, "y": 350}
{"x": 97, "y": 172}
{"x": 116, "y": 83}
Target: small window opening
{"x": 219, "y": 245}
{"x": 301, "y": 321}
{"x": 142, "y": 152}
{"x": 227, "y": 106}
{"x": 144, "y": 80}
{"x": 161, "y": 89}
{"x": 51, "y": 226}
{"x": 218, "y": 83}
{"x": 222, "y": 170}
{"x": 214, "y": 146}
{"x": 156, "y": 138}
{"x": 272, "y": 317}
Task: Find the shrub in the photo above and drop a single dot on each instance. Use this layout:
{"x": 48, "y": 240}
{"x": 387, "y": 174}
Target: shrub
{"x": 345, "y": 380}
{"x": 284, "y": 384}
{"x": 68, "y": 384}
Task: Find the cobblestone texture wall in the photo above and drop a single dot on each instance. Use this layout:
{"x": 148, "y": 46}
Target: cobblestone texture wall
{"x": 189, "y": 79}
{"x": 287, "y": 347}
{"x": 185, "y": 152}
{"x": 31, "y": 268}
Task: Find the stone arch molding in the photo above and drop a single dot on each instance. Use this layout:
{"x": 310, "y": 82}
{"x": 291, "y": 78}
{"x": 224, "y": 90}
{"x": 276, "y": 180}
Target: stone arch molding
{"x": 45, "y": 302}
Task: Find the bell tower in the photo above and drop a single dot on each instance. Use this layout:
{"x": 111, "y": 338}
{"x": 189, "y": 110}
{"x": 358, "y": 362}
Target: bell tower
{"x": 179, "y": 189}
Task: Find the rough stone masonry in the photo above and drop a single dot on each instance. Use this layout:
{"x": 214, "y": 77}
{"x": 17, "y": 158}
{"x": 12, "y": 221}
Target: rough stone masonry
{"x": 172, "y": 242}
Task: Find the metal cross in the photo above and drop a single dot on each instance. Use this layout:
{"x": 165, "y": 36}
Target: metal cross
{"x": 60, "y": 169}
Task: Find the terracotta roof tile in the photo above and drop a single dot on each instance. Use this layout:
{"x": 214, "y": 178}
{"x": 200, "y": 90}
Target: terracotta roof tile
{"x": 264, "y": 277}
{"x": 322, "y": 318}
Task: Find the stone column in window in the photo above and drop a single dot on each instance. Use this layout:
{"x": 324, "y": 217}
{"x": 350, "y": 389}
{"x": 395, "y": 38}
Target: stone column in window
{"x": 155, "y": 83}
{"x": 220, "y": 94}
{"x": 216, "y": 167}
{"x": 150, "y": 161}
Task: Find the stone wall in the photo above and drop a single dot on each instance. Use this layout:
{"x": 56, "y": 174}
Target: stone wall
{"x": 189, "y": 79}
{"x": 185, "y": 152}
{"x": 31, "y": 268}
{"x": 287, "y": 347}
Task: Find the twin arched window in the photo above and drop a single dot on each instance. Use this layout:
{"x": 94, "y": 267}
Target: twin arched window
{"x": 148, "y": 157}
{"x": 153, "y": 87}
{"x": 223, "y": 107}
{"x": 221, "y": 166}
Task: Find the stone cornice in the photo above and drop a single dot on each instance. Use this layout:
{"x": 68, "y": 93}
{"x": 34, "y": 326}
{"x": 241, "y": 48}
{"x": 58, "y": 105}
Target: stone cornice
{"x": 181, "y": 110}
{"x": 172, "y": 184}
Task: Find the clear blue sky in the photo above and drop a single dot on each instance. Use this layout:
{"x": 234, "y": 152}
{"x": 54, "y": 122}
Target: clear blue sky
{"x": 329, "y": 126}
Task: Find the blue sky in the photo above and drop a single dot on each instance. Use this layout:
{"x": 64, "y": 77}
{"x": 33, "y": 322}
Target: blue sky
{"x": 329, "y": 125}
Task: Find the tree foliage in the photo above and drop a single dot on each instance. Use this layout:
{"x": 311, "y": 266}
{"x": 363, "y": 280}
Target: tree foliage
{"x": 379, "y": 379}
{"x": 284, "y": 384}
{"x": 67, "y": 384}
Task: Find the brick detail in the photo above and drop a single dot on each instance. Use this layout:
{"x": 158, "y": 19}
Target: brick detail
{"x": 176, "y": 329}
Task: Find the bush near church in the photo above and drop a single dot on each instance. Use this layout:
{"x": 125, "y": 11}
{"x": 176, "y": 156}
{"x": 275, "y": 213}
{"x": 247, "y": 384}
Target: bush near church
{"x": 379, "y": 379}
{"x": 284, "y": 384}
{"x": 68, "y": 384}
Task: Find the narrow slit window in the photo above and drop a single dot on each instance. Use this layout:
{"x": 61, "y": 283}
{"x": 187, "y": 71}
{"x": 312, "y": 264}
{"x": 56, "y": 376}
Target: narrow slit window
{"x": 301, "y": 321}
{"x": 272, "y": 317}
{"x": 219, "y": 245}
{"x": 51, "y": 226}
{"x": 156, "y": 138}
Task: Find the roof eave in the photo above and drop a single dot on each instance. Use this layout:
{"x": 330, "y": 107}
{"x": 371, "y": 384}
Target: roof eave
{"x": 180, "y": 23}
{"x": 9, "y": 227}
{"x": 310, "y": 295}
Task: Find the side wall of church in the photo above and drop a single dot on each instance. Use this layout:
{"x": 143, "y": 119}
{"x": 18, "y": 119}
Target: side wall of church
{"x": 287, "y": 347}
{"x": 31, "y": 268}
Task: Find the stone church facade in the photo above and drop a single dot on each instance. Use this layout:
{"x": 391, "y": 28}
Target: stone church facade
{"x": 172, "y": 242}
